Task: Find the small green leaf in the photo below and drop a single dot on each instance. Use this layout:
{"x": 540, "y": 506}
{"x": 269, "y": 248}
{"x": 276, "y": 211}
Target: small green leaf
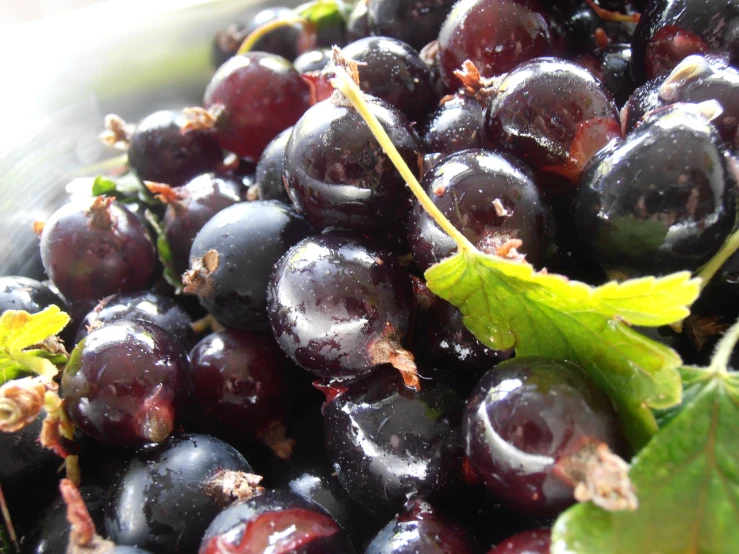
{"x": 508, "y": 305}
{"x": 20, "y": 330}
{"x": 324, "y": 11}
{"x": 164, "y": 252}
{"x": 687, "y": 480}
{"x": 103, "y": 186}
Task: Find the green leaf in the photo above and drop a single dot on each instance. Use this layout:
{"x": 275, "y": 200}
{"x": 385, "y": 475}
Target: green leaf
{"x": 323, "y": 12}
{"x": 102, "y": 186}
{"x": 687, "y": 480}
{"x": 508, "y": 305}
{"x": 164, "y": 252}
{"x": 20, "y": 330}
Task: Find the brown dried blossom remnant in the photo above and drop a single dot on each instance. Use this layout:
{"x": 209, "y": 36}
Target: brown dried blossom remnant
{"x": 424, "y": 297}
{"x": 117, "y": 132}
{"x": 228, "y": 486}
{"x": 83, "y": 537}
{"x": 165, "y": 193}
{"x": 387, "y": 350}
{"x": 100, "y": 214}
{"x": 198, "y": 279}
{"x": 200, "y": 119}
{"x": 274, "y": 437}
{"x": 475, "y": 84}
{"x": 600, "y": 476}
{"x": 21, "y": 401}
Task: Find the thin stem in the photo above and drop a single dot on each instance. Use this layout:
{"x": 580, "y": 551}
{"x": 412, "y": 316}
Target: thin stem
{"x": 707, "y": 272}
{"x": 8, "y": 521}
{"x": 724, "y": 349}
{"x": 267, "y": 28}
{"x": 352, "y": 92}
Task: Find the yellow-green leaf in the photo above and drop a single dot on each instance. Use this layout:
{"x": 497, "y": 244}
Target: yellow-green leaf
{"x": 508, "y": 305}
{"x": 687, "y": 480}
{"x": 19, "y": 331}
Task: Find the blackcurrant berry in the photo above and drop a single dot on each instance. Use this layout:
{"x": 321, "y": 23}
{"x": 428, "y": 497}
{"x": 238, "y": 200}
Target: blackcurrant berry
{"x": 271, "y": 167}
{"x": 523, "y": 423}
{"x": 126, "y": 383}
{"x": 253, "y": 97}
{"x": 340, "y": 306}
{"x": 663, "y": 200}
{"x": 387, "y": 441}
{"x": 413, "y": 22}
{"x": 457, "y": 124}
{"x": 170, "y": 492}
{"x": 492, "y": 199}
{"x": 554, "y": 115}
{"x": 93, "y": 248}
{"x": 232, "y": 257}
{"x": 278, "y": 522}
{"x": 240, "y": 388}
{"x": 160, "y": 150}
{"x": 337, "y": 174}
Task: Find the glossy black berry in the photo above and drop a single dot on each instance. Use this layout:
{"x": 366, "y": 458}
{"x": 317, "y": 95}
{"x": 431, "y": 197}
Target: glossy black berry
{"x": 441, "y": 339}
{"x": 492, "y": 199}
{"x": 612, "y": 65}
{"x": 92, "y": 248}
{"x": 457, "y": 124}
{"x": 288, "y": 41}
{"x": 496, "y": 35}
{"x": 313, "y": 60}
{"x": 391, "y": 70}
{"x": 127, "y": 383}
{"x": 535, "y": 541}
{"x": 521, "y": 423}
{"x": 670, "y": 30}
{"x": 232, "y": 257}
{"x": 553, "y": 115}
{"x": 170, "y": 492}
{"x": 387, "y": 441}
{"x": 413, "y": 22}
{"x": 271, "y": 167}
{"x": 241, "y": 388}
{"x": 337, "y": 174}
{"x": 22, "y": 293}
{"x": 191, "y": 206}
{"x": 420, "y": 528}
{"x": 339, "y": 306}
{"x": 278, "y": 522}
{"x": 143, "y": 306}
{"x": 160, "y": 150}
{"x": 663, "y": 200}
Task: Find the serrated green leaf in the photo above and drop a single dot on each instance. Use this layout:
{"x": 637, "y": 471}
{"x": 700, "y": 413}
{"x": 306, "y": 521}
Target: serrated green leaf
{"x": 508, "y": 305}
{"x": 687, "y": 479}
{"x": 20, "y": 330}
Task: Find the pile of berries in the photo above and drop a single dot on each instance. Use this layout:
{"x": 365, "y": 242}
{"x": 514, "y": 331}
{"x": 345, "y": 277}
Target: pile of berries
{"x": 296, "y": 388}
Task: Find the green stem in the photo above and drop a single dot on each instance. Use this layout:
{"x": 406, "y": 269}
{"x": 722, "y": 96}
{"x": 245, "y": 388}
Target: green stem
{"x": 267, "y": 28}
{"x": 724, "y": 348}
{"x": 353, "y": 93}
{"x": 707, "y": 272}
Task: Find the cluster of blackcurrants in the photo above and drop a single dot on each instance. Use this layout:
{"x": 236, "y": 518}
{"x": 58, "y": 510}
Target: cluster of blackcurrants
{"x": 308, "y": 252}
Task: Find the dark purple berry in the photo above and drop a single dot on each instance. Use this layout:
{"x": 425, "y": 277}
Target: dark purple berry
{"x": 387, "y": 441}
{"x": 523, "y": 422}
{"x": 253, "y": 97}
{"x": 143, "y": 306}
{"x": 340, "y": 306}
{"x": 662, "y": 200}
{"x": 170, "y": 492}
{"x": 492, "y": 199}
{"x": 162, "y": 151}
{"x": 536, "y": 541}
{"x": 126, "y": 383}
{"x": 271, "y": 167}
{"x": 415, "y": 23}
{"x": 278, "y": 522}
{"x": 93, "y": 248}
{"x": 457, "y": 124}
{"x": 337, "y": 174}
